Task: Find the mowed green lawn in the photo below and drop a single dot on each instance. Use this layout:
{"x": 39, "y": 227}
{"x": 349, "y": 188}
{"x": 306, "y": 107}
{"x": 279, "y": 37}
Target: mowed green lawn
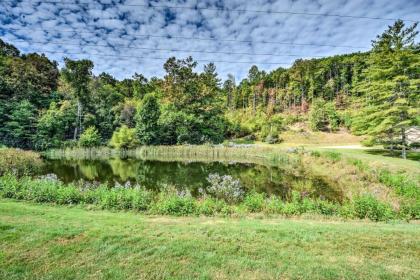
{"x": 52, "y": 242}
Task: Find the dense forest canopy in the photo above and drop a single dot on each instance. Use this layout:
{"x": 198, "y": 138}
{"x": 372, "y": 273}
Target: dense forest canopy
{"x": 374, "y": 93}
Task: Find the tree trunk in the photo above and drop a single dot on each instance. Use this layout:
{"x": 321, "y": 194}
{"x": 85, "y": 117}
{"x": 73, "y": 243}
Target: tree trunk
{"x": 78, "y": 128}
{"x": 404, "y": 144}
{"x": 254, "y": 102}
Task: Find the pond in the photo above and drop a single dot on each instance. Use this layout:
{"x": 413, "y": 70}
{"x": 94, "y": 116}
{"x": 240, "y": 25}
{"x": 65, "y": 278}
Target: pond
{"x": 154, "y": 174}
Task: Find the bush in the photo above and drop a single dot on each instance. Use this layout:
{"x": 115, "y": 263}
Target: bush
{"x": 333, "y": 156}
{"x": 173, "y": 204}
{"x": 142, "y": 199}
{"x": 272, "y": 139}
{"x": 254, "y": 202}
{"x": 225, "y": 187}
{"x": 19, "y": 162}
{"x": 410, "y": 210}
{"x": 315, "y": 153}
{"x": 325, "y": 207}
{"x": 369, "y": 142}
{"x": 211, "y": 206}
{"x": 274, "y": 205}
{"x": 290, "y": 209}
{"x": 400, "y": 183}
{"x": 368, "y": 206}
{"x": 124, "y": 138}
{"x": 323, "y": 114}
{"x": 90, "y": 138}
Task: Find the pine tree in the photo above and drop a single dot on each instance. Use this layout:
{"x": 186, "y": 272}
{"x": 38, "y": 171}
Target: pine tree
{"x": 391, "y": 98}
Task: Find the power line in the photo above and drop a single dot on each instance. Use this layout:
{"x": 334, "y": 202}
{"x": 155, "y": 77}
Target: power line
{"x": 48, "y": 30}
{"x": 67, "y": 43}
{"x": 162, "y": 58}
{"x": 225, "y": 10}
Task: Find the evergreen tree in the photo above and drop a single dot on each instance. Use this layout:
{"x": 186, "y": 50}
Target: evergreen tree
{"x": 21, "y": 125}
{"x": 391, "y": 97}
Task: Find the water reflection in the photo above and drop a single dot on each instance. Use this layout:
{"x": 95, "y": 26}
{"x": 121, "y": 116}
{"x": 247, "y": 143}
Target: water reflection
{"x": 191, "y": 175}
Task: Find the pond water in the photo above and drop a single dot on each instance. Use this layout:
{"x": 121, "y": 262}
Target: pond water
{"x": 154, "y": 174}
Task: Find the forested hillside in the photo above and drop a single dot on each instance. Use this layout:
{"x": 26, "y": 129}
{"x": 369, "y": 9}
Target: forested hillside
{"x": 374, "y": 93}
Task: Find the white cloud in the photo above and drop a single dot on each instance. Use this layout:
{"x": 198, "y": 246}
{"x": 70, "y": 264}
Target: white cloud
{"x": 108, "y": 27}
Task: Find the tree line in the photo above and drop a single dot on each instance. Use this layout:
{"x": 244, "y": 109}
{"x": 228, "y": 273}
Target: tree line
{"x": 373, "y": 93}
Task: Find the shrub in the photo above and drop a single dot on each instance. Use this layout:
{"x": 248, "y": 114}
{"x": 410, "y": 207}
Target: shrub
{"x": 68, "y": 195}
{"x": 334, "y": 156}
{"x": 124, "y": 138}
{"x": 272, "y": 139}
{"x": 90, "y": 138}
{"x": 368, "y": 142}
{"x": 211, "y": 206}
{"x": 367, "y": 206}
{"x": 323, "y": 114}
{"x": 325, "y": 207}
{"x": 315, "y": 154}
{"x": 225, "y": 187}
{"x": 400, "y": 183}
{"x": 142, "y": 199}
{"x": 174, "y": 204}
{"x": 359, "y": 164}
{"x": 19, "y": 162}
{"x": 290, "y": 209}
{"x": 9, "y": 186}
{"x": 254, "y": 202}
{"x": 410, "y": 210}
{"x": 274, "y": 205}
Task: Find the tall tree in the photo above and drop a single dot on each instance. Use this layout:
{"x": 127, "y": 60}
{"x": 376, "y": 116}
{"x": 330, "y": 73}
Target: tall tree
{"x": 391, "y": 101}
{"x": 78, "y": 73}
{"x": 147, "y": 120}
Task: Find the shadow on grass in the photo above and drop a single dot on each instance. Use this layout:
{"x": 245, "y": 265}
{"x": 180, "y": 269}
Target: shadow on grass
{"x": 396, "y": 154}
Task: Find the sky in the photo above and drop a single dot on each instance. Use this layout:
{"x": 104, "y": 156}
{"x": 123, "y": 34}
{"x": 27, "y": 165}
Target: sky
{"x": 123, "y": 37}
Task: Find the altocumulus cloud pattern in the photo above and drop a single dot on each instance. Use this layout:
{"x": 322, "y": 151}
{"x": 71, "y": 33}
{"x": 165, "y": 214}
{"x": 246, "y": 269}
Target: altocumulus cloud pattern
{"x": 113, "y": 33}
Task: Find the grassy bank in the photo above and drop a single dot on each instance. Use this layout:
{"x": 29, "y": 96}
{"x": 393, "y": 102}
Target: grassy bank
{"x": 174, "y": 202}
{"x": 368, "y": 191}
{"x": 44, "y": 242}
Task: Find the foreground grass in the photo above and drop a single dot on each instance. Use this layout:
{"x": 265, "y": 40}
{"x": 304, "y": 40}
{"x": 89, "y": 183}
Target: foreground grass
{"x": 46, "y": 242}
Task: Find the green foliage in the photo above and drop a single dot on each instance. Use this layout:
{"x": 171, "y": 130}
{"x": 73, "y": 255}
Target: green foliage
{"x": 21, "y": 125}
{"x": 90, "y": 138}
{"x": 410, "y": 210}
{"x": 254, "y": 202}
{"x": 390, "y": 88}
{"x": 369, "y": 142}
{"x": 55, "y": 126}
{"x": 400, "y": 183}
{"x": 172, "y": 202}
{"x": 210, "y": 206}
{"x": 124, "y": 138}
{"x": 147, "y": 120}
{"x": 367, "y": 206}
{"x": 323, "y": 115}
{"x": 19, "y": 162}
{"x": 333, "y": 156}
{"x": 372, "y": 93}
{"x": 272, "y": 139}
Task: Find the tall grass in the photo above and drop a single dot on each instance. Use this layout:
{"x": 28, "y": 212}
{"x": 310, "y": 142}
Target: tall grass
{"x": 170, "y": 202}
{"x": 202, "y": 153}
{"x": 19, "y": 162}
